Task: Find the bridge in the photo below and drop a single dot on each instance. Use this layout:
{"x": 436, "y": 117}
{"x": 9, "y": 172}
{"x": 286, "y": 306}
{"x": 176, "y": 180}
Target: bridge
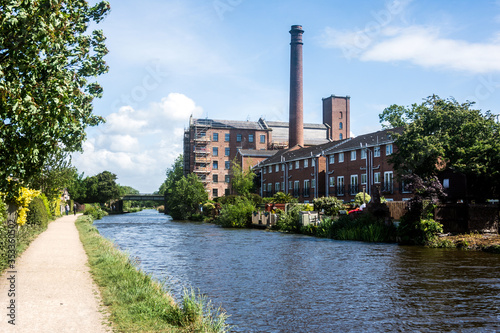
{"x": 138, "y": 197}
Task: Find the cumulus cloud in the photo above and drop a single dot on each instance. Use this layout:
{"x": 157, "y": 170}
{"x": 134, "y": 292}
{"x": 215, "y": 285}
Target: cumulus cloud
{"x": 420, "y": 45}
{"x": 139, "y": 145}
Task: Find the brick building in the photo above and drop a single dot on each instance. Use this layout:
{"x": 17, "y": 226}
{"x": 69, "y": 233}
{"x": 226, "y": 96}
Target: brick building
{"x": 342, "y": 169}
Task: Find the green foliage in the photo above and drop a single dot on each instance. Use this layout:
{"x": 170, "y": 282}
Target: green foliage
{"x": 55, "y": 175}
{"x": 46, "y": 204}
{"x": 330, "y": 205}
{"x": 281, "y": 198}
{"x": 101, "y": 187}
{"x": 237, "y": 215}
{"x": 174, "y": 174}
{"x": 3, "y": 212}
{"x": 421, "y": 232}
{"x": 47, "y": 58}
{"x": 363, "y": 228}
{"x": 95, "y": 211}
{"x": 289, "y": 221}
{"x": 37, "y": 214}
{"x": 186, "y": 197}
{"x": 444, "y": 133}
{"x": 241, "y": 180}
{"x": 362, "y": 198}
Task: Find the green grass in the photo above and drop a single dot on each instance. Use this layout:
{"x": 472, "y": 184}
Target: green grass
{"x": 136, "y": 302}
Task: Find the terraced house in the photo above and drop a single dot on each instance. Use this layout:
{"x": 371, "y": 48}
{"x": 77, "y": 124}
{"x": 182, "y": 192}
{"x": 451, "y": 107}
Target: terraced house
{"x": 342, "y": 169}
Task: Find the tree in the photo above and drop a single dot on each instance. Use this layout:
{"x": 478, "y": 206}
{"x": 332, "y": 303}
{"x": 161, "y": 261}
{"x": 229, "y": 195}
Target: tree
{"x": 101, "y": 187}
{"x": 47, "y": 58}
{"x": 242, "y": 180}
{"x": 174, "y": 174}
{"x": 186, "y": 197}
{"x": 76, "y": 188}
{"x": 55, "y": 175}
{"x": 444, "y": 133}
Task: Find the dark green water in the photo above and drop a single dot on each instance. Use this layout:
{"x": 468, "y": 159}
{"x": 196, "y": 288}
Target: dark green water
{"x": 273, "y": 282}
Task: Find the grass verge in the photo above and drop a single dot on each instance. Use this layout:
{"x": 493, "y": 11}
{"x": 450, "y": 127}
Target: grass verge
{"x": 136, "y": 302}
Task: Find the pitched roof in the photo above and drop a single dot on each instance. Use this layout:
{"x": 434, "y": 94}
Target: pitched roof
{"x": 256, "y": 153}
{"x": 366, "y": 140}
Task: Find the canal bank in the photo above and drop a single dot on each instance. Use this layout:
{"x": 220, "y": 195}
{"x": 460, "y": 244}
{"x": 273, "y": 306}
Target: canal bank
{"x": 276, "y": 282}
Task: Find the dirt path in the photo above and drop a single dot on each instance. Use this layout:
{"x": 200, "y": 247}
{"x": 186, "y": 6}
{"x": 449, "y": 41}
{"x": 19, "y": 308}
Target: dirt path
{"x": 54, "y": 291}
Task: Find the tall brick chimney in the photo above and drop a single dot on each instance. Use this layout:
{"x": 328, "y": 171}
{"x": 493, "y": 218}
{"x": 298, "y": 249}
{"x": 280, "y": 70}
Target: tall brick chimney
{"x": 296, "y": 123}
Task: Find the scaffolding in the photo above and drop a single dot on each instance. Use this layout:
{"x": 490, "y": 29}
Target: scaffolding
{"x": 201, "y": 149}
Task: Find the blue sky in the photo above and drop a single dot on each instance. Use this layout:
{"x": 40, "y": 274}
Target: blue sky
{"x": 229, "y": 59}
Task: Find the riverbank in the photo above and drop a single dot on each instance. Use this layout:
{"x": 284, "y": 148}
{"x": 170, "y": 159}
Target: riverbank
{"x": 49, "y": 288}
{"x": 475, "y": 242}
{"x": 136, "y": 302}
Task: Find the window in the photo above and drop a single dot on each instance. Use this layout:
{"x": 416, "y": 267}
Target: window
{"x": 290, "y": 166}
{"x": 340, "y": 115}
{"x": 376, "y": 177}
{"x": 341, "y": 157}
{"x": 297, "y": 164}
{"x": 363, "y": 179}
{"x": 332, "y": 159}
{"x": 331, "y": 181}
{"x": 353, "y": 155}
{"x": 388, "y": 149}
{"x": 215, "y": 193}
{"x": 238, "y": 137}
{"x": 215, "y": 151}
{"x": 404, "y": 187}
{"x": 313, "y": 183}
{"x": 446, "y": 183}
{"x": 262, "y": 139}
{"x": 307, "y": 187}
{"x": 306, "y": 163}
{"x": 376, "y": 152}
{"x": 227, "y": 165}
{"x": 340, "y": 185}
{"x": 282, "y": 186}
{"x": 289, "y": 185}
{"x": 296, "y": 187}
{"x": 264, "y": 168}
{"x": 340, "y": 125}
{"x": 215, "y": 137}
{"x": 388, "y": 182}
{"x": 250, "y": 137}
{"x": 215, "y": 165}
{"x": 227, "y": 191}
{"x": 283, "y": 167}
{"x": 270, "y": 168}
{"x": 269, "y": 187}
{"x": 354, "y": 185}
{"x": 277, "y": 168}
{"x": 215, "y": 178}
{"x": 226, "y": 178}
{"x": 227, "y": 150}
{"x": 340, "y": 136}
{"x": 313, "y": 162}
{"x": 227, "y": 137}
{"x": 363, "y": 154}
{"x": 277, "y": 187}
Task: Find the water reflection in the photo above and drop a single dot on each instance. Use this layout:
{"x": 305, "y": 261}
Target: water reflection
{"x": 273, "y": 282}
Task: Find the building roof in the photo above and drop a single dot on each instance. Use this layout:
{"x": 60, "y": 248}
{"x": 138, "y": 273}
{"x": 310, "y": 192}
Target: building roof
{"x": 216, "y": 123}
{"x": 256, "y": 153}
{"x": 366, "y": 140}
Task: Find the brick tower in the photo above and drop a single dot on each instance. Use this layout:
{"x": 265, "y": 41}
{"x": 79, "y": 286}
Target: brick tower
{"x": 296, "y": 126}
{"x": 337, "y": 114}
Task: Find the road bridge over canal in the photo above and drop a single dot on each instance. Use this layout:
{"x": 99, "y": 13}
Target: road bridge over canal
{"x": 139, "y": 197}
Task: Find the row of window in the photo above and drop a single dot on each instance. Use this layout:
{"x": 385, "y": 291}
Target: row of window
{"x": 269, "y": 169}
{"x": 215, "y": 151}
{"x": 308, "y": 184}
{"x": 215, "y": 165}
{"x": 239, "y": 137}
{"x": 376, "y": 153}
{"x": 215, "y": 178}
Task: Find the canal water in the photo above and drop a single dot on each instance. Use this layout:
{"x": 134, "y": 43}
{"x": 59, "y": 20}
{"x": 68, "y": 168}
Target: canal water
{"x": 274, "y": 282}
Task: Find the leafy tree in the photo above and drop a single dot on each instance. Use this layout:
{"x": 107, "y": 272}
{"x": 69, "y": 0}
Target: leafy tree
{"x": 55, "y": 175}
{"x": 47, "y": 58}
{"x": 186, "y": 197}
{"x": 242, "y": 180}
{"x": 76, "y": 187}
{"x": 174, "y": 174}
{"x": 444, "y": 133}
{"x": 102, "y": 187}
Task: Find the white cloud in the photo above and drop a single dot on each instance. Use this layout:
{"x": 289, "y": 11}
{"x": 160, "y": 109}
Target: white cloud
{"x": 423, "y": 46}
{"x": 139, "y": 145}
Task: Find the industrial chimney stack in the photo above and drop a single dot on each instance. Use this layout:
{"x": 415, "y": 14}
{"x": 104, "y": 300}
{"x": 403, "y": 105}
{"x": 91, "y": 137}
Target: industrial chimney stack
{"x": 296, "y": 126}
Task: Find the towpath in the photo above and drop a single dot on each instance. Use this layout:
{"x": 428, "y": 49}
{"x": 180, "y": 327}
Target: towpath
{"x": 54, "y": 290}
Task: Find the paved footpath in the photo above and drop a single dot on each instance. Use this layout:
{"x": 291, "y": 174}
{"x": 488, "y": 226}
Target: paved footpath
{"x": 54, "y": 291}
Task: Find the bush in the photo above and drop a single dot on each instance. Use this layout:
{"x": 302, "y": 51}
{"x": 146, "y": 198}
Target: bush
{"x": 289, "y": 221}
{"x": 238, "y": 215}
{"x": 420, "y": 232}
{"x": 95, "y": 211}
{"x": 282, "y": 198}
{"x": 46, "y": 204}
{"x": 37, "y": 214}
{"x": 358, "y": 200}
{"x": 330, "y": 205}
{"x": 363, "y": 228}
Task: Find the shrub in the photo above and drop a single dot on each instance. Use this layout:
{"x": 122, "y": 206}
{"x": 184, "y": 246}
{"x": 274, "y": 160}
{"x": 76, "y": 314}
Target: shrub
{"x": 208, "y": 208}
{"x": 420, "y": 232}
{"x": 3, "y": 212}
{"x": 330, "y": 205}
{"x": 95, "y": 211}
{"x": 358, "y": 200}
{"x": 289, "y": 221}
{"x": 37, "y": 214}
{"x": 238, "y": 215}
{"x": 363, "y": 228}
{"x": 46, "y": 204}
{"x": 282, "y": 198}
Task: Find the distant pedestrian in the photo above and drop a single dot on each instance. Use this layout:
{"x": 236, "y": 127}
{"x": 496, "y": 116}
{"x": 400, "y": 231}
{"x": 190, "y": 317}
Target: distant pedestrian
{"x": 67, "y": 209}
{"x": 74, "y": 209}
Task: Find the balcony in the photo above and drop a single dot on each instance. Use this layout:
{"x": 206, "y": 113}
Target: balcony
{"x": 201, "y": 170}
{"x": 202, "y": 139}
